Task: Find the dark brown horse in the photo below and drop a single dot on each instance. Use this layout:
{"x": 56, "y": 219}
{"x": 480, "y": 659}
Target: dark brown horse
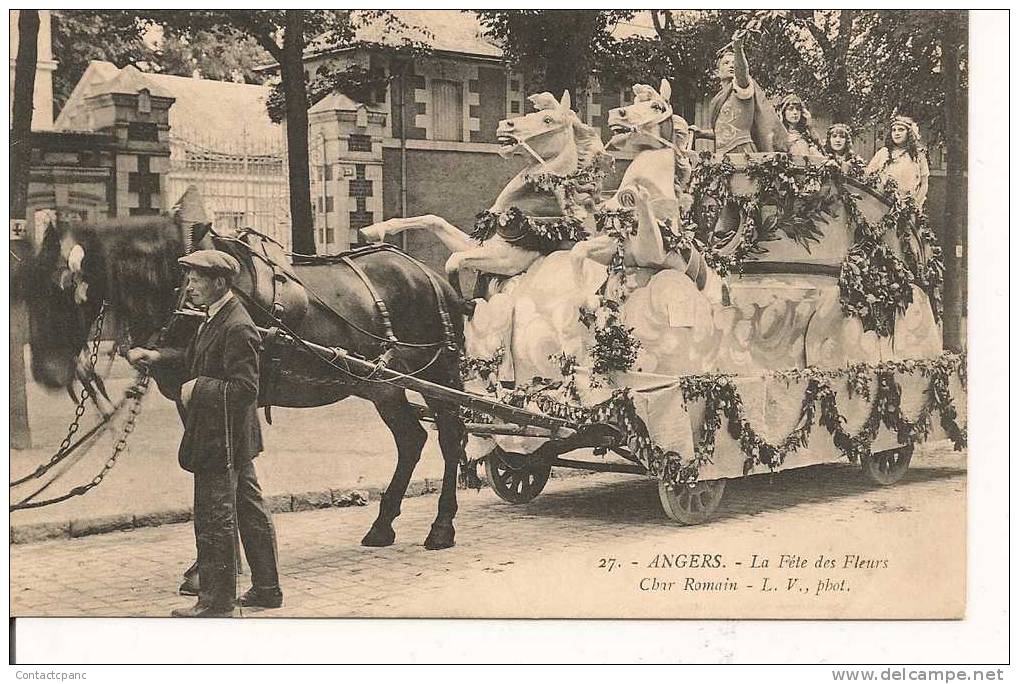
{"x": 132, "y": 265}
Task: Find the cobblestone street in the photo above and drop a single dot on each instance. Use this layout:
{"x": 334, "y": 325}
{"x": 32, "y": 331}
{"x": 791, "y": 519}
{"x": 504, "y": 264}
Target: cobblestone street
{"x": 544, "y": 559}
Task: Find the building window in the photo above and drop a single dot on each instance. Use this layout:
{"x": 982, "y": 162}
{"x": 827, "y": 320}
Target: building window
{"x": 447, "y": 110}
{"x": 329, "y": 205}
{"x": 515, "y": 107}
{"x": 327, "y": 172}
{"x": 360, "y": 219}
{"x": 359, "y": 143}
{"x": 141, "y": 130}
{"x": 360, "y": 188}
{"x": 515, "y": 86}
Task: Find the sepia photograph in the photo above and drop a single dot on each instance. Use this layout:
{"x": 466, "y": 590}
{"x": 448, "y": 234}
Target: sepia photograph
{"x": 441, "y": 313}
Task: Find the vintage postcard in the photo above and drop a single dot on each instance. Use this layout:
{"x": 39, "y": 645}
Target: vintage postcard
{"x": 489, "y": 314}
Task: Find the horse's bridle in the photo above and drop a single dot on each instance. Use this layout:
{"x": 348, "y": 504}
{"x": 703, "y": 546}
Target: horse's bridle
{"x": 530, "y": 150}
{"x": 639, "y": 129}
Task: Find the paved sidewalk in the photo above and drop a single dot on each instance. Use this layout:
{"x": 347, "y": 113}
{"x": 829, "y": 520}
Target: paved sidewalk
{"x": 543, "y": 558}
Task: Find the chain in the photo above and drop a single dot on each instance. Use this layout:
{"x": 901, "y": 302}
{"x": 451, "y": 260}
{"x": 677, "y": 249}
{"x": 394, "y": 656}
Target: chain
{"x": 79, "y": 410}
{"x": 137, "y": 393}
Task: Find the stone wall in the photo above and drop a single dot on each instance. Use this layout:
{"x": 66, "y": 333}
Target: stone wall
{"x": 453, "y": 184}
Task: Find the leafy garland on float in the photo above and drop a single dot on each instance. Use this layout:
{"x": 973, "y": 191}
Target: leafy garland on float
{"x": 723, "y": 405}
{"x": 805, "y": 194}
{"x": 544, "y": 234}
{"x": 615, "y": 346}
{"x": 722, "y": 399}
{"x": 539, "y": 235}
{"x": 580, "y": 180}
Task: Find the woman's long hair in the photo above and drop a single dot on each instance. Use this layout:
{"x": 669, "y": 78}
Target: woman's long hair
{"x": 913, "y": 145}
{"x": 802, "y": 126}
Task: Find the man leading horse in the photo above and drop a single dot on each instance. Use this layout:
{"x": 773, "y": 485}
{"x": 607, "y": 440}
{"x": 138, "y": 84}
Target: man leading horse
{"x": 221, "y": 437}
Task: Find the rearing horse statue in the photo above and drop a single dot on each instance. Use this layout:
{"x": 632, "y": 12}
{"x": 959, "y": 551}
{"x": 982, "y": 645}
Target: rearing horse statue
{"x": 653, "y": 187}
{"x": 547, "y": 206}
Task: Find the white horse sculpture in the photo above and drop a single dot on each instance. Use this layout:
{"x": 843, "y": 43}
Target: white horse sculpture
{"x": 558, "y": 145}
{"x": 653, "y": 186}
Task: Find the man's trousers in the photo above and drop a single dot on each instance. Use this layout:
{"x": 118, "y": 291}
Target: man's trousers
{"x": 224, "y": 502}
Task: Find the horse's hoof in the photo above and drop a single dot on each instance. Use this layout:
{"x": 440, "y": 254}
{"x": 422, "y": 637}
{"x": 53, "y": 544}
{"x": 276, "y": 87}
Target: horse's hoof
{"x": 439, "y": 539}
{"x": 379, "y": 537}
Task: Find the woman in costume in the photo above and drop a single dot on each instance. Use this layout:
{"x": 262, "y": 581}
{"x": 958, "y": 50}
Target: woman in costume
{"x": 838, "y": 146}
{"x": 903, "y": 160}
{"x": 796, "y": 119}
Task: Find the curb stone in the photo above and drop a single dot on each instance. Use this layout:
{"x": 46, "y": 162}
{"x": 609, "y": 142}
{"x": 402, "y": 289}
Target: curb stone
{"x": 278, "y": 503}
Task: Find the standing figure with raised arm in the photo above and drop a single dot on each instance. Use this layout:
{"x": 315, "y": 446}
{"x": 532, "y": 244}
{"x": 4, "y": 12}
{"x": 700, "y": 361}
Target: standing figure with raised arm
{"x": 742, "y": 119}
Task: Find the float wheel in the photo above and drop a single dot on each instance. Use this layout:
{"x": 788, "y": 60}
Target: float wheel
{"x": 691, "y": 504}
{"x": 515, "y": 477}
{"x": 889, "y": 466}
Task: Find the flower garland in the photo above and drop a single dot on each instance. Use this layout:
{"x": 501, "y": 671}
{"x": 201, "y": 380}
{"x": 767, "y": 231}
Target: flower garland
{"x": 721, "y": 398}
{"x": 539, "y": 235}
{"x": 805, "y": 194}
{"x": 582, "y": 180}
{"x": 615, "y": 346}
{"x": 875, "y": 286}
{"x": 723, "y": 406}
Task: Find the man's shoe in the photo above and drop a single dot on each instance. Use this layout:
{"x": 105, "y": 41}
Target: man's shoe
{"x": 200, "y": 610}
{"x": 261, "y": 598}
{"x": 189, "y": 587}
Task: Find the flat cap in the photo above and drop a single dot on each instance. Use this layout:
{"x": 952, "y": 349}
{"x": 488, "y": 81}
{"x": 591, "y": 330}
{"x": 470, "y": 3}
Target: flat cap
{"x": 212, "y": 260}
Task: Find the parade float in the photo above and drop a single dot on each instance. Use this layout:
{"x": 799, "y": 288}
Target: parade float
{"x": 717, "y": 316}
{"x": 713, "y": 317}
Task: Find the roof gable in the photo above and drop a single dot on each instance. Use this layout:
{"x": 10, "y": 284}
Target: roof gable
{"x": 222, "y": 115}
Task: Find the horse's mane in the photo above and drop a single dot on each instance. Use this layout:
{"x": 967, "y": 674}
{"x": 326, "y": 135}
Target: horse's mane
{"x": 590, "y": 148}
{"x": 137, "y": 260}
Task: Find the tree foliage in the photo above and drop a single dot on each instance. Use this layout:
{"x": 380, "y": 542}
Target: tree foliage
{"x": 899, "y": 59}
{"x": 219, "y": 54}
{"x": 556, "y": 50}
{"x": 80, "y": 36}
{"x": 123, "y": 38}
{"x": 857, "y": 65}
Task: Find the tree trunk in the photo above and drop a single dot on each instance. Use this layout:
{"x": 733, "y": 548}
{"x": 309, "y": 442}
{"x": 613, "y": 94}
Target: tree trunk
{"x": 24, "y": 95}
{"x": 296, "y": 95}
{"x": 841, "y": 110}
{"x": 21, "y": 171}
{"x": 954, "y": 42}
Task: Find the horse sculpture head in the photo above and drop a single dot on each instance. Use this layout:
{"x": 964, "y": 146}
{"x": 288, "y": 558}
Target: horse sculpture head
{"x": 649, "y": 123}
{"x": 557, "y": 143}
{"x": 545, "y": 135}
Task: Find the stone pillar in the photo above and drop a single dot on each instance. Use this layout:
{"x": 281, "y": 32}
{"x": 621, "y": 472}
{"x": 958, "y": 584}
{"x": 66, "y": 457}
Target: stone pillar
{"x": 137, "y": 114}
{"x": 347, "y": 185}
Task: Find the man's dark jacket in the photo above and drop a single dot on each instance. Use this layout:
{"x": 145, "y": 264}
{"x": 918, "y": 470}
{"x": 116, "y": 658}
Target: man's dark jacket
{"x": 221, "y": 423}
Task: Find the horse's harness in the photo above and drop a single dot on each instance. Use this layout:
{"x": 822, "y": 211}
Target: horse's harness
{"x": 657, "y": 123}
{"x": 388, "y": 341}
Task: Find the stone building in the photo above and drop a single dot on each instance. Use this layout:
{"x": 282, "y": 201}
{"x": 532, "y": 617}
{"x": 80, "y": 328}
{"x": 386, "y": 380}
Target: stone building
{"x": 216, "y": 136}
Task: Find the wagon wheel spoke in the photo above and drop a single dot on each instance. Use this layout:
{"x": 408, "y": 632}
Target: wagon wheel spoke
{"x": 691, "y": 504}
{"x": 516, "y": 484}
